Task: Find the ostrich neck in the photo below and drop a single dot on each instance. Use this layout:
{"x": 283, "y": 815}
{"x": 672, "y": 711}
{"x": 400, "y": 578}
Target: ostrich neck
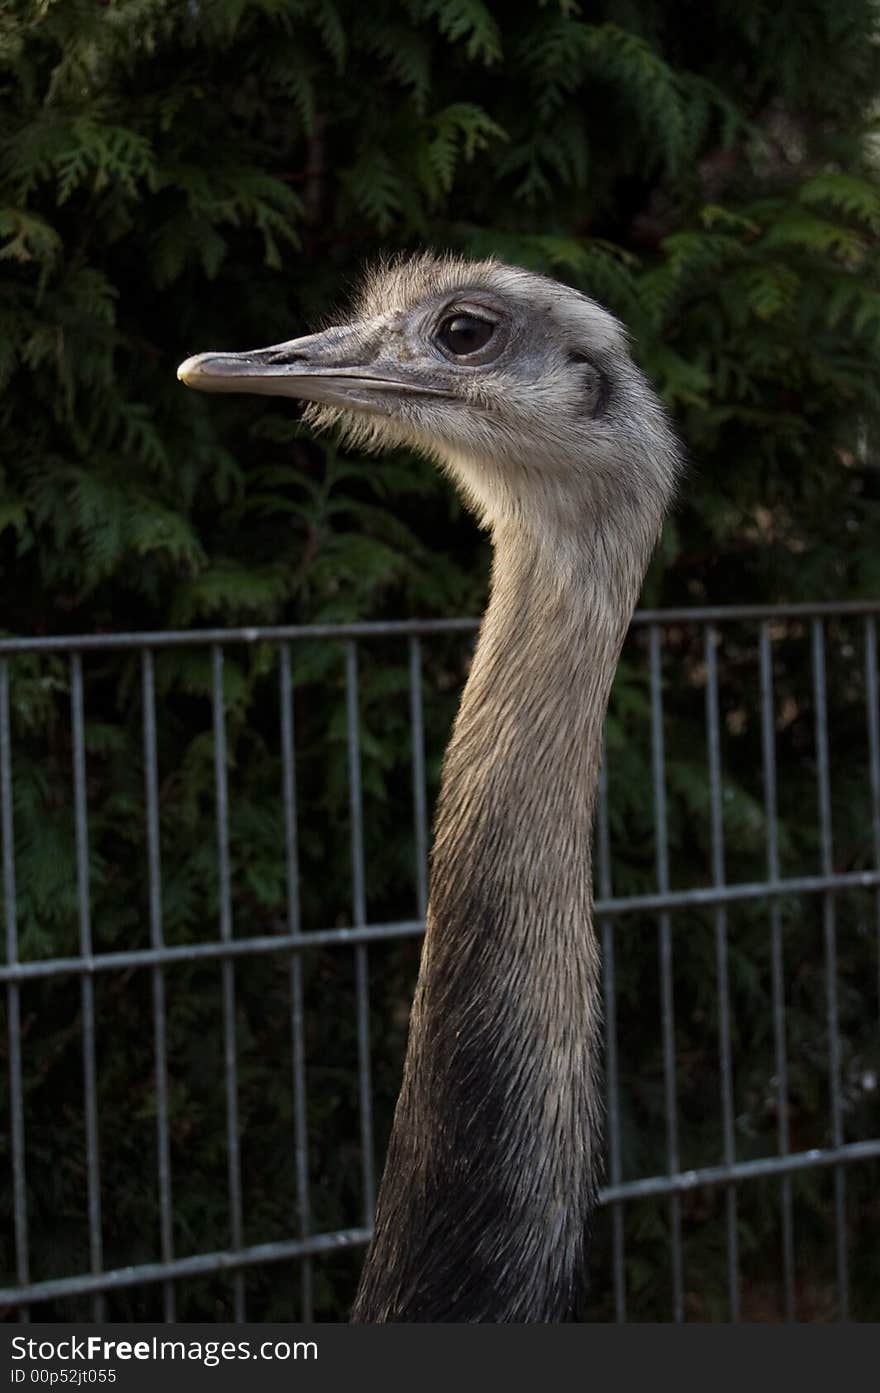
{"x": 524, "y": 752}
{"x": 490, "y": 1172}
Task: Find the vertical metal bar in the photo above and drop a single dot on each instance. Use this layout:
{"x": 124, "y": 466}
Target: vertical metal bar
{"x": 829, "y": 926}
{"x": 13, "y": 1003}
{"x": 230, "y": 1054}
{"x": 87, "y": 995}
{"x": 359, "y": 908}
{"x": 297, "y": 1013}
{"x": 713, "y": 732}
{"x": 658, "y": 762}
{"x": 768, "y": 753}
{"x": 420, "y": 809}
{"x": 611, "y": 1062}
{"x": 872, "y": 698}
{"x": 154, "y": 868}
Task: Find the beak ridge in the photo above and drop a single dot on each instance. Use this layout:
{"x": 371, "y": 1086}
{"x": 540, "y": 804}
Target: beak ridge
{"x": 264, "y": 370}
{"x": 335, "y": 368}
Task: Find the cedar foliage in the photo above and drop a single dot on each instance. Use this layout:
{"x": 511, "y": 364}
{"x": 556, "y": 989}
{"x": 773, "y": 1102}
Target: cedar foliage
{"x": 177, "y": 177}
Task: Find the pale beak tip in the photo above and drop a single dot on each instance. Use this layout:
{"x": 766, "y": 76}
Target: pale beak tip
{"x": 189, "y": 371}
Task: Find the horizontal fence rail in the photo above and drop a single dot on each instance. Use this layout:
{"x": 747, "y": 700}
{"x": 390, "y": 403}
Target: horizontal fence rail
{"x": 663, "y": 908}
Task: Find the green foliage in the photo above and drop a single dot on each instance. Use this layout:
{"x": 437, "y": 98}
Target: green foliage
{"x": 175, "y": 177}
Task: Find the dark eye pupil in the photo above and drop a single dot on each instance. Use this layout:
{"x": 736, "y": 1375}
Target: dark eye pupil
{"x": 463, "y": 334}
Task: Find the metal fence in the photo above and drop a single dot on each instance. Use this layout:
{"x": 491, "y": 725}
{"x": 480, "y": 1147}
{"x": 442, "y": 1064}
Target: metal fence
{"x": 825, "y": 884}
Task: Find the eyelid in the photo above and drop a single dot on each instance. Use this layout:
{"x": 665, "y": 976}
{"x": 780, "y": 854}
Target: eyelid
{"x": 472, "y": 311}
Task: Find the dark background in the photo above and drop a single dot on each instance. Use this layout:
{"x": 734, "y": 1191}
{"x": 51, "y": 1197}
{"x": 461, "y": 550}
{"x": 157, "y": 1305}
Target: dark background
{"x": 177, "y": 177}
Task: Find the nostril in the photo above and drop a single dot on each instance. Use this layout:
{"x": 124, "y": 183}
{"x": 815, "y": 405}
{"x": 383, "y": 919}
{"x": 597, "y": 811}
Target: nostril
{"x": 283, "y": 355}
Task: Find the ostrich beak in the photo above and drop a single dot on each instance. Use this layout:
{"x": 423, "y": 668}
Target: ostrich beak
{"x": 337, "y": 368}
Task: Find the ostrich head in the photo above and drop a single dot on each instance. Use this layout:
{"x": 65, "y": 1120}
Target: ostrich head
{"x": 522, "y": 388}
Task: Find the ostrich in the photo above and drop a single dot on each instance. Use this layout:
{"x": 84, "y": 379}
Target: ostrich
{"x": 523, "y": 391}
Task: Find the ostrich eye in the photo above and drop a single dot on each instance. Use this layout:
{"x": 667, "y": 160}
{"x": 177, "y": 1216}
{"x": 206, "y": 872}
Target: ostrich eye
{"x": 462, "y": 334}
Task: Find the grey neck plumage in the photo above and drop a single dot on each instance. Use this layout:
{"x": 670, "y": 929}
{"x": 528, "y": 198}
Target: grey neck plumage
{"x": 489, "y": 1182}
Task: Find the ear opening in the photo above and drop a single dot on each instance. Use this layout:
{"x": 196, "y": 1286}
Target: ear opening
{"x": 598, "y": 385}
